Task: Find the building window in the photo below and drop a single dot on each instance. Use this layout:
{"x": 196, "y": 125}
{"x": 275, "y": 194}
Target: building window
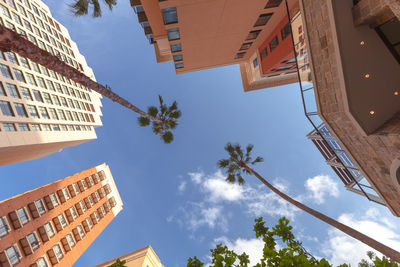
{"x": 240, "y": 55}
{"x": 173, "y": 34}
{"x": 58, "y": 252}
{"x": 49, "y": 229}
{"x": 13, "y": 255}
{"x": 12, "y": 90}
{"x": 23, "y": 127}
{"x": 53, "y": 199}
{"x": 178, "y": 57}
{"x": 20, "y": 110}
{"x": 264, "y": 53}
{"x": 2, "y": 91}
{"x": 80, "y": 230}
{"x": 62, "y": 220}
{"x": 39, "y": 204}
{"x": 44, "y": 113}
{"x": 274, "y": 43}
{"x": 12, "y": 57}
{"x": 253, "y": 35}
{"x": 25, "y": 93}
{"x": 73, "y": 213}
{"x": 66, "y": 194}
{"x": 70, "y": 240}
{"x": 285, "y": 31}
{"x": 33, "y": 241}
{"x": 41, "y": 262}
{"x": 255, "y": 63}
{"x": 89, "y": 222}
{"x": 6, "y": 108}
{"x": 46, "y": 127}
{"x": 245, "y": 46}
{"x": 31, "y": 79}
{"x": 170, "y": 15}
{"x": 263, "y": 19}
{"x": 176, "y": 48}
{"x": 75, "y": 186}
{"x": 23, "y": 216}
{"x": 4, "y": 227}
{"x": 47, "y": 98}
{"x": 273, "y": 3}
{"x": 9, "y": 127}
{"x": 35, "y": 127}
{"x": 179, "y": 65}
{"x": 37, "y": 95}
{"x": 33, "y": 111}
{"x": 18, "y": 75}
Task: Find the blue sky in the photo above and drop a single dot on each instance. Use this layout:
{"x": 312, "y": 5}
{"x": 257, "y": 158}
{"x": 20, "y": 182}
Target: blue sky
{"x": 174, "y": 197}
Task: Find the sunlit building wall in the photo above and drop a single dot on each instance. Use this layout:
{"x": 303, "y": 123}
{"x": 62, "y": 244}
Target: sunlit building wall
{"x": 41, "y": 111}
{"x": 144, "y": 257}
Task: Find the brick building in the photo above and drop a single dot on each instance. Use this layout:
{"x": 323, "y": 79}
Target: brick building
{"x": 54, "y": 224}
{"x": 344, "y": 54}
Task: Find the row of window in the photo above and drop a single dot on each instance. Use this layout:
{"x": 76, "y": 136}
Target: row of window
{"x": 31, "y": 242}
{"x": 36, "y": 95}
{"x": 39, "y": 81}
{"x": 26, "y": 127}
{"x": 285, "y": 32}
{"x": 45, "y": 113}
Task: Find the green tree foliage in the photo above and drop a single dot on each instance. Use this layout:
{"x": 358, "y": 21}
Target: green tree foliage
{"x": 281, "y": 248}
{"x": 118, "y": 263}
{"x": 81, "y": 7}
{"x": 167, "y": 120}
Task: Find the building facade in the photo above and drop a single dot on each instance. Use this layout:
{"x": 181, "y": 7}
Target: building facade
{"x": 54, "y": 224}
{"x": 345, "y": 56}
{"x": 41, "y": 111}
{"x": 144, "y": 257}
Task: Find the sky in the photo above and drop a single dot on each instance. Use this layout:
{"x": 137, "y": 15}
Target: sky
{"x": 174, "y": 197}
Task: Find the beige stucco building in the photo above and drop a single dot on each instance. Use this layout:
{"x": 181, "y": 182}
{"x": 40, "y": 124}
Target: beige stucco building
{"x": 144, "y": 257}
{"x": 41, "y": 112}
{"x": 344, "y": 54}
{"x": 54, "y": 224}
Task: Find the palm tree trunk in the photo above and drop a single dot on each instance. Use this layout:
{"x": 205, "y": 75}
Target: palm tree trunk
{"x": 12, "y": 41}
{"x": 385, "y": 250}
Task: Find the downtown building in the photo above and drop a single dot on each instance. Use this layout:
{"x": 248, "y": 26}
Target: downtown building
{"x": 41, "y": 111}
{"x": 144, "y": 257}
{"x": 54, "y": 224}
{"x": 345, "y": 56}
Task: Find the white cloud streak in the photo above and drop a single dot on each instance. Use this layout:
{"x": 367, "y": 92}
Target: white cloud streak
{"x": 320, "y": 186}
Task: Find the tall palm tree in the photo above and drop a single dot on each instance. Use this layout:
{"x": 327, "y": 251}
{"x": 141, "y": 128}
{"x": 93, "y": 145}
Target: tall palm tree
{"x": 12, "y": 41}
{"x": 239, "y": 162}
{"x": 81, "y": 7}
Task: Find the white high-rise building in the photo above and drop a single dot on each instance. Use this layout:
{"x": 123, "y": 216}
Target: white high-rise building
{"x": 41, "y": 111}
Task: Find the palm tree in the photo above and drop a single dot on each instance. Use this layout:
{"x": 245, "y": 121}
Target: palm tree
{"x": 238, "y": 163}
{"x": 81, "y": 7}
{"x": 12, "y": 41}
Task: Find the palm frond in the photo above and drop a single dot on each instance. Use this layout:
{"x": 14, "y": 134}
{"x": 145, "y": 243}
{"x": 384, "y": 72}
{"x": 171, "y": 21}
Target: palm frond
{"x": 143, "y": 121}
{"x": 240, "y": 179}
{"x": 153, "y": 111}
{"x": 171, "y": 124}
{"x": 249, "y": 148}
{"x": 223, "y": 163}
{"x": 96, "y": 8}
{"x": 230, "y": 149}
{"x": 175, "y": 114}
{"x": 233, "y": 167}
{"x": 173, "y": 107}
{"x": 168, "y": 137}
{"x": 161, "y": 100}
{"x": 110, "y": 3}
{"x": 258, "y": 159}
{"x": 238, "y": 150}
{"x": 230, "y": 178}
{"x": 80, "y": 7}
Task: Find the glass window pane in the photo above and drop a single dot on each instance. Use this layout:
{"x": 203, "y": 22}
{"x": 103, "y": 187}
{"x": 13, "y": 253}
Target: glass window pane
{"x": 173, "y": 34}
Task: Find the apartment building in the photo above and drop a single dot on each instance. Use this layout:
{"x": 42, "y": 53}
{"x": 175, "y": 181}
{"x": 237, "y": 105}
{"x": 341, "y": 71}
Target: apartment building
{"x": 41, "y": 111}
{"x": 345, "y": 56}
{"x": 144, "y": 257}
{"x": 54, "y": 224}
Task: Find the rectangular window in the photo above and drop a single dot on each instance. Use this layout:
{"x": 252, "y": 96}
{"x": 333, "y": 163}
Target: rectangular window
{"x": 50, "y": 85}
{"x": 6, "y": 108}
{"x": 23, "y": 216}
{"x": 47, "y": 98}
{"x": 57, "y": 250}
{"x": 173, "y": 34}
{"x": 35, "y": 127}
{"x": 70, "y": 240}
{"x": 44, "y": 113}
{"x": 285, "y": 31}
{"x": 170, "y": 15}
{"x": 245, "y": 46}
{"x": 5, "y": 11}
{"x": 49, "y": 229}
{"x": 274, "y": 43}
{"x": 9, "y": 127}
{"x": 62, "y": 220}
{"x": 39, "y": 203}
{"x": 2, "y": 91}
{"x": 5, "y": 70}
{"x": 30, "y": 79}
{"x": 73, "y": 213}
{"x": 178, "y": 57}
{"x": 23, "y": 127}
{"x": 80, "y": 230}
{"x": 12, "y": 57}
{"x": 37, "y": 95}
{"x": 56, "y": 100}
{"x": 33, "y": 111}
{"x": 21, "y": 111}
{"x": 4, "y": 227}
{"x": 41, "y": 82}
{"x": 53, "y": 114}
{"x": 53, "y": 199}
{"x": 46, "y": 127}
{"x": 263, "y": 19}
{"x": 56, "y": 127}
{"x": 12, "y": 90}
{"x": 13, "y": 255}
{"x": 66, "y": 193}
{"x": 240, "y": 55}
{"x": 273, "y": 3}
{"x": 41, "y": 262}
{"x": 264, "y": 53}
{"x": 26, "y": 93}
{"x": 255, "y": 63}
{"x": 33, "y": 241}
{"x": 176, "y": 47}
{"x": 179, "y": 65}
{"x": 253, "y": 35}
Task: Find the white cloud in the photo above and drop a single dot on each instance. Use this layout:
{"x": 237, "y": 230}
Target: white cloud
{"x": 341, "y": 248}
{"x": 218, "y": 189}
{"x": 182, "y": 186}
{"x": 196, "y": 177}
{"x": 252, "y": 247}
{"x": 320, "y": 186}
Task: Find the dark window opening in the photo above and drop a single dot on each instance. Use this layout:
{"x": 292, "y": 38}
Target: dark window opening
{"x": 253, "y": 35}
{"x": 285, "y": 31}
{"x": 173, "y": 34}
{"x": 170, "y": 16}
{"x": 255, "y": 63}
{"x": 240, "y": 55}
{"x": 264, "y": 53}
{"x": 273, "y": 3}
{"x": 178, "y": 57}
{"x": 274, "y": 43}
{"x": 390, "y": 35}
{"x": 263, "y": 19}
{"x": 245, "y": 46}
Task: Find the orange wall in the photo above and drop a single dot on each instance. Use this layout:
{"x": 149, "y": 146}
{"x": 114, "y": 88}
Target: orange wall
{"x": 22, "y": 200}
{"x": 284, "y": 51}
